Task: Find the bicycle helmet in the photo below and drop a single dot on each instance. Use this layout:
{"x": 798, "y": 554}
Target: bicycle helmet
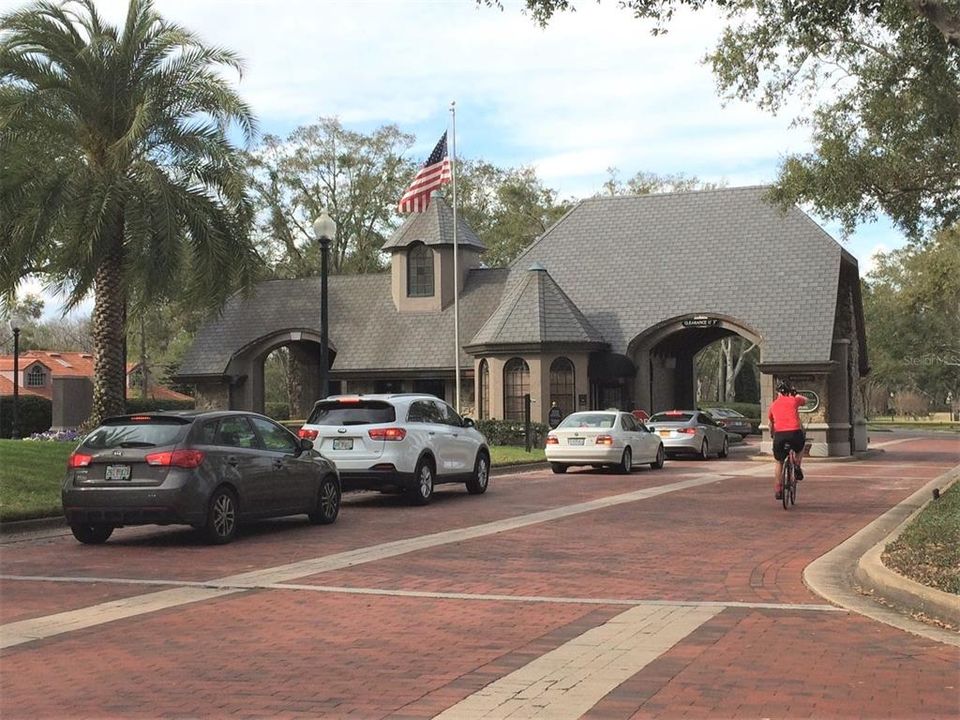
{"x": 784, "y": 388}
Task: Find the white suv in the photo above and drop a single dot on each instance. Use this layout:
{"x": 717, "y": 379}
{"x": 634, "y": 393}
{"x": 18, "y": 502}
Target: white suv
{"x": 409, "y": 442}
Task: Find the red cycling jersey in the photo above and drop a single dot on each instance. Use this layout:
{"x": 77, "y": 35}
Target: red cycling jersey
{"x": 783, "y": 413}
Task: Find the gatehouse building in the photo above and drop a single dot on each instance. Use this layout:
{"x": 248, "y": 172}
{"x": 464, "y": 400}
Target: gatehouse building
{"x": 608, "y": 308}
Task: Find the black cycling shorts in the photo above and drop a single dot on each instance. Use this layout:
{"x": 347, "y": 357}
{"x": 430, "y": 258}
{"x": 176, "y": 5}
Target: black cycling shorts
{"x": 796, "y": 439}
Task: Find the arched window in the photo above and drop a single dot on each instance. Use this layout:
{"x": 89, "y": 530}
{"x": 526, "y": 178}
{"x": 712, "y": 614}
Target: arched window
{"x": 484, "y": 403}
{"x": 561, "y": 385}
{"x": 36, "y": 377}
{"x": 516, "y": 384}
{"x": 420, "y": 271}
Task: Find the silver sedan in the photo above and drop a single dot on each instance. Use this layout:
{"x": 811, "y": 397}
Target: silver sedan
{"x": 690, "y": 432}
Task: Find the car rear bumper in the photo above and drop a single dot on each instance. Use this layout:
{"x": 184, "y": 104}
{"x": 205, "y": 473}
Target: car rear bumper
{"x": 586, "y": 455}
{"x": 132, "y": 506}
{"x": 374, "y": 479}
{"x": 682, "y": 444}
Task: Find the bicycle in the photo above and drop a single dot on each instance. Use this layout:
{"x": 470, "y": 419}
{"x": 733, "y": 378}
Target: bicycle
{"x": 789, "y": 486}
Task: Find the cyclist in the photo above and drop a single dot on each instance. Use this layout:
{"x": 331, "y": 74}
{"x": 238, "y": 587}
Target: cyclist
{"x": 785, "y": 428}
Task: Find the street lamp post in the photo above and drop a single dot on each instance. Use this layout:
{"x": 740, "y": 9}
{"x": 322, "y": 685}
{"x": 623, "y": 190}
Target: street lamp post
{"x": 14, "y": 426}
{"x": 324, "y": 230}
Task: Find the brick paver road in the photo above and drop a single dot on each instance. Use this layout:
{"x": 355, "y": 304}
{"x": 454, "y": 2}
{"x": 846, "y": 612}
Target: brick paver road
{"x": 674, "y": 593}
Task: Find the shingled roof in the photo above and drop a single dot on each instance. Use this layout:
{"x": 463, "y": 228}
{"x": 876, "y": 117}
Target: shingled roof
{"x": 631, "y": 262}
{"x": 434, "y": 226}
{"x": 365, "y": 329}
{"x": 536, "y": 311}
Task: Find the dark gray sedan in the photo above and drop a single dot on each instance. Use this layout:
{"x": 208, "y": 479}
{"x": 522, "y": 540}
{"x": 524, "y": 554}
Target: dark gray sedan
{"x": 206, "y": 469}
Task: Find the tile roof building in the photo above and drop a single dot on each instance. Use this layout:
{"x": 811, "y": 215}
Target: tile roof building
{"x": 607, "y": 308}
{"x": 66, "y": 379}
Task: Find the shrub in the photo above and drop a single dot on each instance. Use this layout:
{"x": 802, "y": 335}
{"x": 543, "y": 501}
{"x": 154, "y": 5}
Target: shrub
{"x": 141, "y": 405}
{"x": 34, "y": 414}
{"x": 507, "y": 432}
{"x": 277, "y": 410}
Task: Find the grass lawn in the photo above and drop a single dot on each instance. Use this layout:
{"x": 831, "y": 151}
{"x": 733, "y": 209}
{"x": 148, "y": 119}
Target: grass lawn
{"x": 928, "y": 551}
{"x": 30, "y": 475}
{"x": 501, "y": 455}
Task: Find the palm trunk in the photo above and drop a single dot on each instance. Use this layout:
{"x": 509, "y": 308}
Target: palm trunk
{"x": 109, "y": 338}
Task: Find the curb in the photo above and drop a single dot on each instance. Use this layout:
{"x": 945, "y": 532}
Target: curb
{"x": 520, "y": 467}
{"x": 868, "y": 454}
{"x": 21, "y": 526}
{"x": 832, "y": 575}
{"x": 900, "y": 591}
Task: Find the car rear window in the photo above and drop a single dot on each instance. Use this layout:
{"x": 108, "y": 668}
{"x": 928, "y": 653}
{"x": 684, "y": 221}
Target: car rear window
{"x": 589, "y": 420}
{"x": 677, "y": 417}
{"x": 146, "y": 431}
{"x": 357, "y": 412}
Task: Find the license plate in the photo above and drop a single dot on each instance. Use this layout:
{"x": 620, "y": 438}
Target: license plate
{"x": 664, "y": 433}
{"x": 343, "y": 443}
{"x": 117, "y": 472}
{"x": 575, "y": 441}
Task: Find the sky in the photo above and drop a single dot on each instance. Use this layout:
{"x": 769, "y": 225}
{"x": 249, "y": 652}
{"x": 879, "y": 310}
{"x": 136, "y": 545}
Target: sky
{"x": 591, "y": 91}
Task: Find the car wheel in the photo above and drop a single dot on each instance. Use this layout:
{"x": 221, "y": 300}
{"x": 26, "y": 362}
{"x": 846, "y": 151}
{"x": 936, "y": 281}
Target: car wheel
{"x": 421, "y": 490}
{"x": 725, "y": 448}
{"x": 92, "y": 534}
{"x": 328, "y": 502}
{"x": 222, "y": 518}
{"x": 477, "y": 484}
{"x": 658, "y": 463}
{"x": 626, "y": 462}
{"x": 704, "y": 450}
{"x": 558, "y": 468}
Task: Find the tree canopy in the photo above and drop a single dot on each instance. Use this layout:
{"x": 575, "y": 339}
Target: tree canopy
{"x": 117, "y": 174}
{"x": 881, "y": 79}
{"x": 911, "y": 305}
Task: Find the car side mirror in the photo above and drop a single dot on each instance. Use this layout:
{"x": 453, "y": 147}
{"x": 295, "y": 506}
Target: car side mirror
{"x": 305, "y": 445}
{"x": 468, "y": 422}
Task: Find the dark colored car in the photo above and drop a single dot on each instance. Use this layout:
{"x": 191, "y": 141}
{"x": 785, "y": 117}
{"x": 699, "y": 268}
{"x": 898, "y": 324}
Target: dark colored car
{"x": 210, "y": 470}
{"x": 731, "y": 421}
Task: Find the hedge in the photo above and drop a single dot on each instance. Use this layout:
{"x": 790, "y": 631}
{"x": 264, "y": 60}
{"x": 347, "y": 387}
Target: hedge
{"x": 277, "y": 410}
{"x": 141, "y": 405}
{"x": 34, "y": 414}
{"x": 506, "y": 432}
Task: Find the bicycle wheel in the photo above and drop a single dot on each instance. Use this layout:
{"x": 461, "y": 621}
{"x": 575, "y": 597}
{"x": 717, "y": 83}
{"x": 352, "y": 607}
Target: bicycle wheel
{"x": 793, "y": 484}
{"x": 787, "y": 483}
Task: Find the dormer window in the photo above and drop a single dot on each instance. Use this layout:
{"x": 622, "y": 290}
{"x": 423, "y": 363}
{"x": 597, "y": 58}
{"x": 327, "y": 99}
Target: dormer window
{"x": 36, "y": 377}
{"x": 420, "y": 271}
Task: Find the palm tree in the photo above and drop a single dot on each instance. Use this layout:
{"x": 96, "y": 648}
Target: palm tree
{"x": 117, "y": 174}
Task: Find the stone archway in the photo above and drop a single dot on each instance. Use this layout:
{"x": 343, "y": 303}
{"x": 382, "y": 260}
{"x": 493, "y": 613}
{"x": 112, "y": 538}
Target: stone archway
{"x": 663, "y": 355}
{"x": 246, "y": 373}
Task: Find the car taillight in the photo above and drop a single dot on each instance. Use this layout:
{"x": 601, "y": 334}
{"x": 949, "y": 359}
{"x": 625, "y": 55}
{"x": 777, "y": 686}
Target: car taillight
{"x": 604, "y": 440}
{"x": 552, "y": 440}
{"x": 390, "y": 433}
{"x": 307, "y": 434}
{"x": 79, "y": 460}
{"x": 176, "y": 458}
{"x": 687, "y": 431}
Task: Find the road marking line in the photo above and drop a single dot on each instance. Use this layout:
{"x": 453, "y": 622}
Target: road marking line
{"x": 47, "y": 626}
{"x": 351, "y": 590}
{"x": 24, "y": 631}
{"x": 566, "y": 682}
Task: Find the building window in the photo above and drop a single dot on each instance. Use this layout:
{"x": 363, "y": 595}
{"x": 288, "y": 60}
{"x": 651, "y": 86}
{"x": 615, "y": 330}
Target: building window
{"x": 561, "y": 385}
{"x": 516, "y": 384}
{"x": 420, "y": 271}
{"x": 484, "y": 403}
{"x": 36, "y": 377}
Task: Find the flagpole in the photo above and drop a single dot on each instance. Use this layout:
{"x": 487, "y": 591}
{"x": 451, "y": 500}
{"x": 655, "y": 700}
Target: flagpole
{"x": 456, "y": 253}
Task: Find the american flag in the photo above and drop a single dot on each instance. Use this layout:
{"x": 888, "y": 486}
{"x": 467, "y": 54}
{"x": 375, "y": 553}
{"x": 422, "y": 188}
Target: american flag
{"x": 434, "y": 173}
